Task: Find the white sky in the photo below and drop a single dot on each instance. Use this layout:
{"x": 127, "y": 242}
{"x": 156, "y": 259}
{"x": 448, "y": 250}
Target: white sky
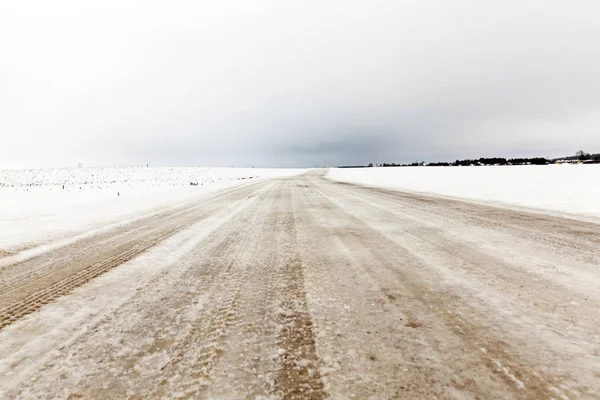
{"x": 295, "y": 83}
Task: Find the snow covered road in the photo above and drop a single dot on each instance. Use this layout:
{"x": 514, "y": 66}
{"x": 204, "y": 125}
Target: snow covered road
{"x": 301, "y": 287}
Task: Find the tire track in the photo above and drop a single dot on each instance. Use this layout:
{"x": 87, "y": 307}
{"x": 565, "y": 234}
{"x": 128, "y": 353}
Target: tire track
{"x": 362, "y": 314}
{"x": 253, "y": 343}
{"x": 486, "y": 265}
{"x": 28, "y": 303}
{"x": 193, "y": 358}
{"x": 167, "y": 339}
{"x": 40, "y": 298}
{"x": 500, "y": 357}
{"x": 298, "y": 376}
{"x": 20, "y": 273}
{"x": 557, "y": 232}
{"x": 19, "y": 255}
{"x": 196, "y": 355}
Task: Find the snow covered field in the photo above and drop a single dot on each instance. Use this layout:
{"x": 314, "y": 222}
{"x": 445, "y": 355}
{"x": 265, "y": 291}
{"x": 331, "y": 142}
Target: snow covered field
{"x": 570, "y": 189}
{"x": 35, "y": 208}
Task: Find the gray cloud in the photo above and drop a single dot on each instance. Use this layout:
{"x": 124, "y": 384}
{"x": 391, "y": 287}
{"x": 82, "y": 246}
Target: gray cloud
{"x": 296, "y": 83}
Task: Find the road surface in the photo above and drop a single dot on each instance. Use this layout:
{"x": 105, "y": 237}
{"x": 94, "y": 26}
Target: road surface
{"x": 306, "y": 288}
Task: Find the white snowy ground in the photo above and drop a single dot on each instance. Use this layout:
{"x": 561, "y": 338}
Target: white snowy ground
{"x": 35, "y": 209}
{"x": 569, "y": 189}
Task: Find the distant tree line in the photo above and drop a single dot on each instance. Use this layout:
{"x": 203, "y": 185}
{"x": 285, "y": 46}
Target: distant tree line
{"x": 579, "y": 156}
{"x": 503, "y": 161}
{"x": 415, "y": 164}
{"x": 479, "y": 161}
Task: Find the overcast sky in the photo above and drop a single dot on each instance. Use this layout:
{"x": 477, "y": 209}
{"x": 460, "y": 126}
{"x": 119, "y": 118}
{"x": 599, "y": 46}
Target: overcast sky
{"x": 295, "y": 83}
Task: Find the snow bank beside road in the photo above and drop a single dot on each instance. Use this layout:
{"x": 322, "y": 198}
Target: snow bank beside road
{"x": 568, "y": 189}
{"x": 35, "y": 209}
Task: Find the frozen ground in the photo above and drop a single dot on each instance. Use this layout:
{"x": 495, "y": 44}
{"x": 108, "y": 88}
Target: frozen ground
{"x": 568, "y": 189}
{"x": 306, "y": 288}
{"x": 35, "y": 209}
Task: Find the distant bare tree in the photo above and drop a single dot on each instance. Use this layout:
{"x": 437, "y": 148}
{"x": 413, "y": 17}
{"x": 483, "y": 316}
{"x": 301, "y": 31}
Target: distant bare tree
{"x": 582, "y": 155}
